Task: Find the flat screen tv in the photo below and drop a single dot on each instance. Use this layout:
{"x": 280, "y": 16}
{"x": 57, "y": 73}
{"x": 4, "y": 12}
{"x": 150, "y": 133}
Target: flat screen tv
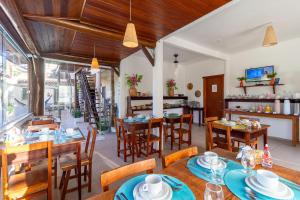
{"x": 259, "y": 73}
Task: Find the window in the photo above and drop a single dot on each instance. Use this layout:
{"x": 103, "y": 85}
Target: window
{"x": 13, "y": 80}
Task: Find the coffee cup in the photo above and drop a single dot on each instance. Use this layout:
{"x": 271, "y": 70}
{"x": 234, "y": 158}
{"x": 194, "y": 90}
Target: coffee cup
{"x": 153, "y": 184}
{"x": 209, "y": 156}
{"x": 267, "y": 178}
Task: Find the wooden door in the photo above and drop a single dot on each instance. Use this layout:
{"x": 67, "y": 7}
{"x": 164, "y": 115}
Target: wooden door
{"x": 213, "y": 95}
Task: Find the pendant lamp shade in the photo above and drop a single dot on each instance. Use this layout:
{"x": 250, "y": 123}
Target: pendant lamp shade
{"x": 130, "y": 37}
{"x": 270, "y": 37}
{"x": 95, "y": 64}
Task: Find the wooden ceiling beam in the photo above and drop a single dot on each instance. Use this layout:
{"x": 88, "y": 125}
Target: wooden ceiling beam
{"x": 148, "y": 55}
{"x": 85, "y": 28}
{"x": 116, "y": 70}
{"x": 76, "y": 58}
{"x": 11, "y": 10}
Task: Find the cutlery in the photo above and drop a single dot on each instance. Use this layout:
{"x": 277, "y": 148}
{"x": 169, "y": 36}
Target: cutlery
{"x": 171, "y": 185}
{"x": 118, "y": 197}
{"x": 177, "y": 184}
{"x": 124, "y": 196}
{"x": 250, "y": 193}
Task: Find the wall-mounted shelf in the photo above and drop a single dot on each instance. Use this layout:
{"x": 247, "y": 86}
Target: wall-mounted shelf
{"x": 227, "y": 100}
{"x": 260, "y": 85}
{"x": 150, "y": 97}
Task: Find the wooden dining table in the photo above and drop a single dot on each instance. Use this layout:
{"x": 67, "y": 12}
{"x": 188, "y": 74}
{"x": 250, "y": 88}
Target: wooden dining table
{"x": 247, "y": 133}
{"x": 60, "y": 147}
{"x": 197, "y": 185}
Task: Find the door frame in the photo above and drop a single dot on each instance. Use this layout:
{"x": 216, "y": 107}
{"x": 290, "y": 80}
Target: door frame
{"x": 204, "y": 91}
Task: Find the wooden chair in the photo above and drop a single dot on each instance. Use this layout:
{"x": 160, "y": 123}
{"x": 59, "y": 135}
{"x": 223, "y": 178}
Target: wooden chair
{"x": 126, "y": 139}
{"x": 149, "y": 138}
{"x": 32, "y": 183}
{"x": 178, "y": 155}
{"x": 221, "y": 142}
{"x": 208, "y": 120}
{"x": 185, "y": 128}
{"x": 167, "y": 131}
{"x": 107, "y": 178}
{"x": 69, "y": 163}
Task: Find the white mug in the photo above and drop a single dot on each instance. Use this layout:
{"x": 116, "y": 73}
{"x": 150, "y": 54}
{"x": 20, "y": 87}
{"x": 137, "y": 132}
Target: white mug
{"x": 153, "y": 184}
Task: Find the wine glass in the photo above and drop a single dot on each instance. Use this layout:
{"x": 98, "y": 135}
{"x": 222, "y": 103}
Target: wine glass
{"x": 213, "y": 192}
{"x": 217, "y": 167}
{"x": 248, "y": 161}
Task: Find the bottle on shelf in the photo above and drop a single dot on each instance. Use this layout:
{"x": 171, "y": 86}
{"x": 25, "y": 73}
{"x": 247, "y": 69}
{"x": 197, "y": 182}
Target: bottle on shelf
{"x": 267, "y": 158}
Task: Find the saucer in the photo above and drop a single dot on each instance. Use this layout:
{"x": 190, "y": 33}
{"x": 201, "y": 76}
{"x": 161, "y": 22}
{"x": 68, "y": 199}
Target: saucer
{"x": 165, "y": 193}
{"x": 282, "y": 192}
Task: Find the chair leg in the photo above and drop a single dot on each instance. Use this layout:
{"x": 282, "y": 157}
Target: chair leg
{"x": 125, "y": 152}
{"x": 180, "y": 140}
{"x": 62, "y": 179}
{"x": 160, "y": 147}
{"x": 90, "y": 178}
{"x": 55, "y": 173}
{"x": 85, "y": 173}
{"x": 147, "y": 153}
{"x": 65, "y": 185}
{"x": 118, "y": 148}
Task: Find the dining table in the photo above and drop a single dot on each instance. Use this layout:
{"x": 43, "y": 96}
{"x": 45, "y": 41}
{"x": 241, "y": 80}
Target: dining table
{"x": 63, "y": 143}
{"x": 247, "y": 133}
{"x": 180, "y": 171}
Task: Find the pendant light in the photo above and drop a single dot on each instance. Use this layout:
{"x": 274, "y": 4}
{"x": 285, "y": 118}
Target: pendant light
{"x": 270, "y": 37}
{"x": 130, "y": 37}
{"x": 94, "y": 64}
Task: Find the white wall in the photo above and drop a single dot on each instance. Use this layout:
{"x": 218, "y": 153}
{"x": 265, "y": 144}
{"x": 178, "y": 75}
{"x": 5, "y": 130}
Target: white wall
{"x": 196, "y": 70}
{"x": 285, "y": 57}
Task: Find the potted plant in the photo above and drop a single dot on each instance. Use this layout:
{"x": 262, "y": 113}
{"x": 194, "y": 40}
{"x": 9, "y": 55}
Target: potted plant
{"x": 241, "y": 79}
{"x": 132, "y": 82}
{"x": 171, "y": 85}
{"x": 272, "y": 77}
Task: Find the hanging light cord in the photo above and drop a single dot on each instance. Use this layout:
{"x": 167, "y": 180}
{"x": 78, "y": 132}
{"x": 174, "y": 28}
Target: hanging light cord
{"x": 94, "y": 50}
{"x": 130, "y": 10}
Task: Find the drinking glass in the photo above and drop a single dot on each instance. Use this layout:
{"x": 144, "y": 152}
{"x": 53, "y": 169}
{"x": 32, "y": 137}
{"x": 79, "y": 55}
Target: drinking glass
{"x": 217, "y": 167}
{"x": 248, "y": 161}
{"x": 213, "y": 192}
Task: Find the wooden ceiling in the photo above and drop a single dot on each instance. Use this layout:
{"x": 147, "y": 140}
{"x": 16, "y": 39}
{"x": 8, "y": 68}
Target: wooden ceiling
{"x": 71, "y": 27}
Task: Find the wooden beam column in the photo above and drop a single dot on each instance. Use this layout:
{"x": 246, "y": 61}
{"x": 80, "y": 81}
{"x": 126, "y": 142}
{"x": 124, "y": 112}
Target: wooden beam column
{"x": 37, "y": 86}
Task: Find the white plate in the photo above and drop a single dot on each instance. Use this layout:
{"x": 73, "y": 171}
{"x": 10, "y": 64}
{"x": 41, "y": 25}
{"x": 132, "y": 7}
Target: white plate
{"x": 283, "y": 192}
{"x": 203, "y": 163}
{"x": 165, "y": 194}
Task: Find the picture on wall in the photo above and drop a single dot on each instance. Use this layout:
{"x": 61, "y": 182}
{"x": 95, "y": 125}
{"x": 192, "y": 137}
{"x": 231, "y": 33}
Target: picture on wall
{"x": 259, "y": 73}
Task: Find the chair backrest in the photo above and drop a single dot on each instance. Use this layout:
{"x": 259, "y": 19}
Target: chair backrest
{"x": 42, "y": 122}
{"x": 186, "y": 119}
{"x": 178, "y": 155}
{"x": 107, "y": 178}
{"x": 227, "y": 129}
{"x": 15, "y": 155}
{"x": 155, "y": 123}
{"x": 90, "y": 145}
{"x": 210, "y": 119}
{"x": 208, "y": 131}
{"x": 36, "y": 128}
{"x": 119, "y": 126}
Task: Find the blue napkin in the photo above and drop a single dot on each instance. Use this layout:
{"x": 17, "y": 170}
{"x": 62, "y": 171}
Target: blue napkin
{"x": 127, "y": 188}
{"x": 204, "y": 173}
{"x": 235, "y": 181}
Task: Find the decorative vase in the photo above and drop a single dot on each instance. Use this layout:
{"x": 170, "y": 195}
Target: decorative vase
{"x": 241, "y": 83}
{"x": 132, "y": 91}
{"x": 171, "y": 91}
{"x": 272, "y": 82}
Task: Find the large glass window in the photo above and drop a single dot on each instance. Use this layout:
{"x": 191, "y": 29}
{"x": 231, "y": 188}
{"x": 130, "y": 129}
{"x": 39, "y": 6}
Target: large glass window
{"x": 13, "y": 80}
